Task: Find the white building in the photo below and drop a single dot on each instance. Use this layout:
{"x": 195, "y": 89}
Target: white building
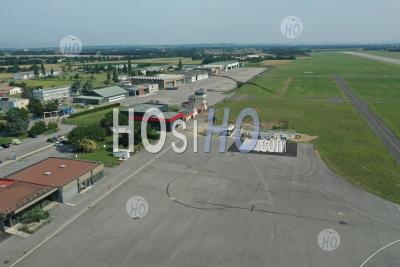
{"x": 50, "y": 94}
{"x": 9, "y": 103}
{"x": 25, "y": 75}
{"x": 10, "y": 90}
{"x": 224, "y": 65}
{"x": 193, "y": 75}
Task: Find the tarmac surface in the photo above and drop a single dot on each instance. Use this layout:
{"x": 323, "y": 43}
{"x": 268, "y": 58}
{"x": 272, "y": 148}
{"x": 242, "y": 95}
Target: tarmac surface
{"x": 383, "y": 132}
{"x": 216, "y": 86}
{"x": 219, "y": 209}
{"x": 376, "y": 58}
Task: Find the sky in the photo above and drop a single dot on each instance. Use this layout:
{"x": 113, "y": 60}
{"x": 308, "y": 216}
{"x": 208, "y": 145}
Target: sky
{"x": 37, "y": 23}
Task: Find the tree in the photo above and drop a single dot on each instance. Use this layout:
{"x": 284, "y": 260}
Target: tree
{"x": 17, "y": 121}
{"x": 107, "y": 81}
{"x": 93, "y": 132}
{"x": 180, "y": 64}
{"x": 27, "y": 93}
{"x": 87, "y": 86}
{"x": 87, "y": 145}
{"x": 42, "y": 69}
{"x": 35, "y": 106}
{"x": 2, "y": 126}
{"x": 35, "y": 70}
{"x": 129, "y": 66}
{"x": 76, "y": 87}
{"x": 38, "y": 128}
{"x": 51, "y": 72}
{"x": 51, "y": 106}
{"x": 115, "y": 75}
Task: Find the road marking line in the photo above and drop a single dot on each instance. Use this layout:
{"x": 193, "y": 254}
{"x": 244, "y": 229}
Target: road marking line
{"x": 376, "y": 252}
{"x": 398, "y": 206}
{"x": 79, "y": 214}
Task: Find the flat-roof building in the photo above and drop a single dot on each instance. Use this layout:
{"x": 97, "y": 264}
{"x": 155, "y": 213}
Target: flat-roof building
{"x": 141, "y": 89}
{"x": 169, "y": 117}
{"x": 24, "y": 75}
{"x": 17, "y": 198}
{"x": 50, "y": 94}
{"x": 68, "y": 176}
{"x": 9, "y": 103}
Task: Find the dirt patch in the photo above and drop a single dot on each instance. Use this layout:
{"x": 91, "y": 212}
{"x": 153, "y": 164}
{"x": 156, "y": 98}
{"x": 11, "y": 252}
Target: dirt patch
{"x": 304, "y": 138}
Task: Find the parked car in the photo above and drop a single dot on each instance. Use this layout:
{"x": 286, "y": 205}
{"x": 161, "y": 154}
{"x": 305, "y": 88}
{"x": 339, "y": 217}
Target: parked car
{"x": 52, "y": 140}
{"x": 15, "y": 141}
{"x": 5, "y": 145}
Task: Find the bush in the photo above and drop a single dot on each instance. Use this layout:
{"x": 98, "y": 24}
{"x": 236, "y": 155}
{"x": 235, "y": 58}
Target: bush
{"x": 38, "y": 128}
{"x": 35, "y": 215}
{"x": 52, "y": 126}
{"x": 2, "y": 126}
{"x": 87, "y": 145}
{"x": 92, "y": 132}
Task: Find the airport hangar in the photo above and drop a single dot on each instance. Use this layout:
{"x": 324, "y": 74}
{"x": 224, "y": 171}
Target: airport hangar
{"x": 52, "y": 179}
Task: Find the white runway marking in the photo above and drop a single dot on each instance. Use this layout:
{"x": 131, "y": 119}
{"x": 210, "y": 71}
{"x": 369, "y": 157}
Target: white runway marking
{"x": 79, "y": 214}
{"x": 379, "y": 250}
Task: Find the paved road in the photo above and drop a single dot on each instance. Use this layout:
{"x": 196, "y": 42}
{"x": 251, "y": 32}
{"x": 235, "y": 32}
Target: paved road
{"x": 31, "y": 144}
{"x": 384, "y": 133}
{"x": 377, "y": 58}
{"x": 229, "y": 209}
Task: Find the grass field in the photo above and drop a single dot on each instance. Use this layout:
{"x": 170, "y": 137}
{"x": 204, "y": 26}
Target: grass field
{"x": 47, "y": 83}
{"x": 103, "y": 154}
{"x": 97, "y": 82}
{"x": 345, "y": 142}
{"x": 90, "y": 118}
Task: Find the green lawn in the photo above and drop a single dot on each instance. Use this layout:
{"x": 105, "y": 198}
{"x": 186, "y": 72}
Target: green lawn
{"x": 87, "y": 119}
{"x": 5, "y": 140}
{"x": 345, "y": 141}
{"x": 47, "y": 83}
{"x": 103, "y": 154}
